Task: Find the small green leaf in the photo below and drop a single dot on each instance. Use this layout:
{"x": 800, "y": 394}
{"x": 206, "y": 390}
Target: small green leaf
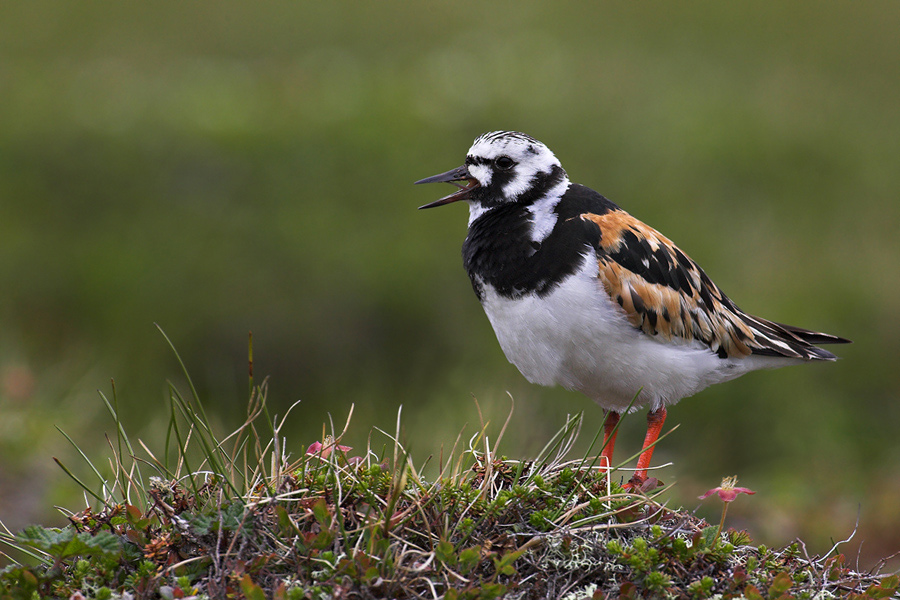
{"x": 469, "y": 559}
{"x": 202, "y": 524}
{"x": 445, "y": 552}
{"x": 489, "y": 591}
{"x": 44, "y": 537}
{"x": 65, "y": 543}
{"x": 627, "y": 591}
{"x": 740, "y": 538}
{"x": 233, "y": 515}
{"x": 752, "y": 593}
{"x": 781, "y": 584}
{"x": 251, "y": 590}
{"x": 134, "y": 516}
{"x": 885, "y": 589}
{"x": 504, "y": 564}
{"x": 322, "y": 540}
{"x": 320, "y": 512}
{"x": 285, "y": 523}
{"x": 709, "y": 537}
{"x": 133, "y": 512}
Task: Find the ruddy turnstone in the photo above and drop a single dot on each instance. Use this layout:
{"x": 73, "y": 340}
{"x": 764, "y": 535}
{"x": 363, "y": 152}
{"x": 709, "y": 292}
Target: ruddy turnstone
{"x": 583, "y": 295}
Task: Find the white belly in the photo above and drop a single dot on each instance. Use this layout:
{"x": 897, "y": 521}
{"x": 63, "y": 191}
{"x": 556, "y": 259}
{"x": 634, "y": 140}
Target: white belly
{"x": 577, "y": 337}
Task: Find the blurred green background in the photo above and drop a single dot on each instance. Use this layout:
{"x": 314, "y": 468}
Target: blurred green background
{"x": 233, "y": 167}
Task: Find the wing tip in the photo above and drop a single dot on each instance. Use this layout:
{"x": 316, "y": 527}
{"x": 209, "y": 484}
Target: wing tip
{"x": 801, "y": 343}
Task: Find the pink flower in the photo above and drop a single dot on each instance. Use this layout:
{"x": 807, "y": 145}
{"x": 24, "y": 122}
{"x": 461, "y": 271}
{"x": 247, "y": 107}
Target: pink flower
{"x": 325, "y": 451}
{"x": 727, "y": 490}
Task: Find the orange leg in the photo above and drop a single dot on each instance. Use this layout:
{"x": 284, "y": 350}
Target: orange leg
{"x": 655, "y": 420}
{"x": 609, "y": 440}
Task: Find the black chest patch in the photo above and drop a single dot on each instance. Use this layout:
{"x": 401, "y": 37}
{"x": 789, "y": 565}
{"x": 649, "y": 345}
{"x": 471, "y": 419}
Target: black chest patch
{"x": 499, "y": 250}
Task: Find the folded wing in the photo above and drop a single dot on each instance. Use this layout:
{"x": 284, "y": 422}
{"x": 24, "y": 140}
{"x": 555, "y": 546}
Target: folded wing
{"x": 667, "y": 295}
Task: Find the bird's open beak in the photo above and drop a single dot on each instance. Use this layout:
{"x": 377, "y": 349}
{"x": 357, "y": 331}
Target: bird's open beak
{"x": 458, "y": 174}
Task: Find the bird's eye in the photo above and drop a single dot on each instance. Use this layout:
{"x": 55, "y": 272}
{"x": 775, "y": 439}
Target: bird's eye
{"x": 504, "y": 163}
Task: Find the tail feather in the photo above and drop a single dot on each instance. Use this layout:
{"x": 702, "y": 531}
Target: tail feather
{"x": 777, "y": 339}
{"x": 814, "y": 337}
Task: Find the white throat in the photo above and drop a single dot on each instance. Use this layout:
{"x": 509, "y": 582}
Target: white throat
{"x": 543, "y": 212}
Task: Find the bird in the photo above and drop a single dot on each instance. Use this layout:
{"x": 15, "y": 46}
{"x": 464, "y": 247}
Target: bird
{"x": 583, "y": 295}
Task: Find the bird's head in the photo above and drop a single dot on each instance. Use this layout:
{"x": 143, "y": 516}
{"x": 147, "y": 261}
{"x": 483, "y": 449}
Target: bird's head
{"x": 502, "y": 167}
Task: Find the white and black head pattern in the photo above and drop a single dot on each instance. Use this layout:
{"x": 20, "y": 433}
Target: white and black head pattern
{"x": 508, "y": 169}
{"x": 512, "y": 167}
{"x": 501, "y": 168}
